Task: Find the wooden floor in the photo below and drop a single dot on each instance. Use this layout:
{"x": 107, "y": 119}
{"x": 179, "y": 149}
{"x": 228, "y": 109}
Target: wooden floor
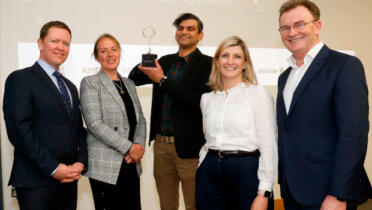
{"x": 278, "y": 205}
{"x": 366, "y": 206}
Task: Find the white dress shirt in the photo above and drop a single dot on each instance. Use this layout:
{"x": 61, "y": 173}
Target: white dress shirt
{"x": 242, "y": 119}
{"x": 297, "y": 72}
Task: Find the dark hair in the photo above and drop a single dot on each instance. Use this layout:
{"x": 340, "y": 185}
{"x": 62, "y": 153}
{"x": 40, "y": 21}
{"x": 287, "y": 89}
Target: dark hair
{"x": 188, "y": 16}
{"x": 58, "y": 24}
{"x": 104, "y": 36}
{"x": 291, "y": 4}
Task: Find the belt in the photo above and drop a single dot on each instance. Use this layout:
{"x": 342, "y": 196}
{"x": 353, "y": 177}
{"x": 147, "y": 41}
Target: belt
{"x": 233, "y": 153}
{"x": 165, "y": 139}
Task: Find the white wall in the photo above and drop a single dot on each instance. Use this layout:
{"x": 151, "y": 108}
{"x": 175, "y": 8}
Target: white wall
{"x": 1, "y": 116}
{"x": 345, "y": 26}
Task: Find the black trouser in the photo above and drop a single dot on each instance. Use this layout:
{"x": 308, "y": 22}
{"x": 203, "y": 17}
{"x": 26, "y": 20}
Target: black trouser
{"x": 124, "y": 195}
{"x": 227, "y": 183}
{"x": 54, "y": 197}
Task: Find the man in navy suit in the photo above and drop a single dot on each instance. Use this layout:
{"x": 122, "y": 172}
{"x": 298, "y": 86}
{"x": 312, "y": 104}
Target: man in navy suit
{"x": 322, "y": 114}
{"x": 44, "y": 124}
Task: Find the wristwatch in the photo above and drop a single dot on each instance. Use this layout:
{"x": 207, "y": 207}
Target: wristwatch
{"x": 162, "y": 80}
{"x": 266, "y": 194}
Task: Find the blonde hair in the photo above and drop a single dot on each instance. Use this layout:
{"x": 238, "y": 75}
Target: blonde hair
{"x": 104, "y": 36}
{"x": 248, "y": 74}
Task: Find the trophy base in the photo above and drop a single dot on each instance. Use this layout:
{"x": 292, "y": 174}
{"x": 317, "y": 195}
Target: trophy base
{"x": 148, "y": 60}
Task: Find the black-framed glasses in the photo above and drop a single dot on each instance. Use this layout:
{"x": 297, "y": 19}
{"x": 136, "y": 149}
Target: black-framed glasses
{"x": 297, "y": 27}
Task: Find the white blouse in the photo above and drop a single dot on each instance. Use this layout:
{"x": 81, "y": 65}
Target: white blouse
{"x": 242, "y": 119}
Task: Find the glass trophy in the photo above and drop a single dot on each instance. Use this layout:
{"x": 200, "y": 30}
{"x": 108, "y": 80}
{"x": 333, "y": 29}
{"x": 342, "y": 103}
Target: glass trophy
{"x": 148, "y": 59}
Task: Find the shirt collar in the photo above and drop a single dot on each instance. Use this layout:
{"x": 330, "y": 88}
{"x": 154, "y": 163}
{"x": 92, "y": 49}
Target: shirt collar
{"x": 46, "y": 67}
{"x": 233, "y": 89}
{"x": 313, "y": 52}
{"x": 187, "y": 58}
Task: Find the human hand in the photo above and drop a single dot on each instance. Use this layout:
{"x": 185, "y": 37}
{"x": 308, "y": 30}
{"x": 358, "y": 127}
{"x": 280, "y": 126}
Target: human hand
{"x": 154, "y": 73}
{"x": 259, "y": 203}
{"x": 128, "y": 159}
{"x": 77, "y": 166}
{"x": 136, "y": 152}
{"x": 332, "y": 203}
{"x": 66, "y": 173}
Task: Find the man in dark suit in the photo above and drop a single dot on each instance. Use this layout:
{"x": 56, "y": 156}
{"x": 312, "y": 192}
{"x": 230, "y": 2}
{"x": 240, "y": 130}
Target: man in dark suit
{"x": 44, "y": 124}
{"x": 322, "y": 114}
{"x": 178, "y": 81}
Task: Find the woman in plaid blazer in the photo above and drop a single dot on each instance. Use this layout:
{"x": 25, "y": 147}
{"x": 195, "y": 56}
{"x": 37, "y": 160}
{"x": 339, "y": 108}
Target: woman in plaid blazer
{"x": 116, "y": 131}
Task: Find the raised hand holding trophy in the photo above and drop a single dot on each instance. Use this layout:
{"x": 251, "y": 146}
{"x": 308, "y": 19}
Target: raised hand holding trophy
{"x": 148, "y": 60}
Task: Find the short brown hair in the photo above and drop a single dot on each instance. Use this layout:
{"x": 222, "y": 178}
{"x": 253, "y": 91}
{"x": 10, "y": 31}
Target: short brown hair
{"x": 249, "y": 76}
{"x": 291, "y": 4}
{"x": 104, "y": 36}
{"x": 58, "y": 24}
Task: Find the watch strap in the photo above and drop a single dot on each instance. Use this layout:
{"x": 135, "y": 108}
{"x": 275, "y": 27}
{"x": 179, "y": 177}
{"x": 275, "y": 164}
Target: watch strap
{"x": 162, "y": 80}
{"x": 266, "y": 193}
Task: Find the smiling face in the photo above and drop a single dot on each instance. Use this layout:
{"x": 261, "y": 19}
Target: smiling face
{"x": 187, "y": 34}
{"x": 231, "y": 64}
{"x": 300, "y": 41}
{"x": 108, "y": 54}
{"x": 55, "y": 46}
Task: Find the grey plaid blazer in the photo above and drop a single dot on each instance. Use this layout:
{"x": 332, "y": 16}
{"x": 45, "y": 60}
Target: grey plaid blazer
{"x": 107, "y": 124}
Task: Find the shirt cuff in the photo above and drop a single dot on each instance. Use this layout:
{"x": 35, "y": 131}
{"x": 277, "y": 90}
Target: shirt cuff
{"x": 53, "y": 172}
{"x": 265, "y": 186}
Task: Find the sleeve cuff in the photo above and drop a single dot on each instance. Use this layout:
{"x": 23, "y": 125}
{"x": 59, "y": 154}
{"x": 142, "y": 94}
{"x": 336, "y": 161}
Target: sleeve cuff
{"x": 265, "y": 186}
{"x": 53, "y": 172}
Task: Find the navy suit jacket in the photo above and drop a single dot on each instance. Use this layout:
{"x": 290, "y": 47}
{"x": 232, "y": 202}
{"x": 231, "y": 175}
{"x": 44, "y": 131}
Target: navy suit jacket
{"x": 186, "y": 95}
{"x": 323, "y": 138}
{"x": 39, "y": 128}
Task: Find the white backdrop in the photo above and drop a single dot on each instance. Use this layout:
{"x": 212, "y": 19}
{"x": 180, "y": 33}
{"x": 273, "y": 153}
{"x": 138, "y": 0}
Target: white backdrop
{"x": 268, "y": 62}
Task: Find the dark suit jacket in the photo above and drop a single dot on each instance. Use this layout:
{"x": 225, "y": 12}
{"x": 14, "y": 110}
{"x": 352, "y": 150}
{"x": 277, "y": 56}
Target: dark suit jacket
{"x": 39, "y": 127}
{"x": 186, "y": 94}
{"x": 323, "y": 138}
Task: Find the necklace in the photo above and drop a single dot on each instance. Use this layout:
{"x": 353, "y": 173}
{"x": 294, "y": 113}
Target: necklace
{"x": 122, "y": 92}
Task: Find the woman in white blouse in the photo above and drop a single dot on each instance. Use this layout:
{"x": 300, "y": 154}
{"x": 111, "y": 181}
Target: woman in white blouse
{"x": 238, "y": 162}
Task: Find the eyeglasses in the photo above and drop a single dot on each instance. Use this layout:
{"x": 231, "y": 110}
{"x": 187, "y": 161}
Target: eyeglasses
{"x": 297, "y": 27}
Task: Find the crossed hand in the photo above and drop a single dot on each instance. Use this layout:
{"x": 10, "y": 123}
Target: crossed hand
{"x": 135, "y": 154}
{"x": 68, "y": 173}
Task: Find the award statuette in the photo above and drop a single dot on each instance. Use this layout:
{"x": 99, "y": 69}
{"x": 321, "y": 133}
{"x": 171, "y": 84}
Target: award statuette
{"x": 148, "y": 60}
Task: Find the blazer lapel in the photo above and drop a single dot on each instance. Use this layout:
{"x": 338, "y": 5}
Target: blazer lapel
{"x": 190, "y": 67}
{"x": 166, "y": 65}
{"x": 107, "y": 83}
{"x": 315, "y": 66}
{"x": 43, "y": 76}
{"x": 74, "y": 95}
{"x": 280, "y": 98}
{"x": 131, "y": 94}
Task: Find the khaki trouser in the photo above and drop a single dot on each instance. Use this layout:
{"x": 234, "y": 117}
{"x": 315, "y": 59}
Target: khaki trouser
{"x": 169, "y": 170}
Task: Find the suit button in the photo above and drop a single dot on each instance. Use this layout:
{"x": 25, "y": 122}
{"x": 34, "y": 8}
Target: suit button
{"x": 115, "y": 128}
{"x": 287, "y": 130}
